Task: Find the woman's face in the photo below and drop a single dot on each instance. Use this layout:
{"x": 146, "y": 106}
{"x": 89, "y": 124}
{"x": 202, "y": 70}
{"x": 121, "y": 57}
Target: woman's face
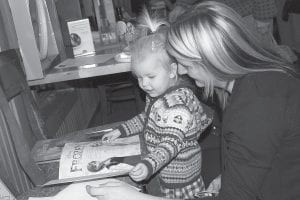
{"x": 194, "y": 71}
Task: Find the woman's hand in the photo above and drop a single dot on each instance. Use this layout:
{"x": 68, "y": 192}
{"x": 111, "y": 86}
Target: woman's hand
{"x": 215, "y": 185}
{"x": 139, "y": 172}
{"x": 74, "y": 191}
{"x": 113, "y": 189}
{"x": 111, "y": 136}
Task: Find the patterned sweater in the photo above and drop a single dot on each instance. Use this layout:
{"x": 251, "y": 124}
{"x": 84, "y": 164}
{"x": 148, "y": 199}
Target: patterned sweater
{"x": 170, "y": 127}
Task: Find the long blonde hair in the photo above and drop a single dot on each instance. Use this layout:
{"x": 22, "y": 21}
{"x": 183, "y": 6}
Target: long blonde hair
{"x": 213, "y": 36}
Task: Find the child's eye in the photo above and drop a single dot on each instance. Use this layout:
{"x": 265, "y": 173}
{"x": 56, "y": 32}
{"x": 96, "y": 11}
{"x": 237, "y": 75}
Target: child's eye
{"x": 151, "y": 77}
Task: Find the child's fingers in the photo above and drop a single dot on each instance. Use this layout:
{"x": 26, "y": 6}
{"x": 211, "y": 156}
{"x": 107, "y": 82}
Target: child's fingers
{"x": 108, "y": 138}
{"x": 136, "y": 177}
{"x": 111, "y": 136}
{"x": 139, "y": 172}
{"x": 135, "y": 174}
{"x": 105, "y": 137}
{"x": 136, "y": 171}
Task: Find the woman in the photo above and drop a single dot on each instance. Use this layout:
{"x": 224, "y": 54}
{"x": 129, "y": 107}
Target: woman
{"x": 260, "y": 95}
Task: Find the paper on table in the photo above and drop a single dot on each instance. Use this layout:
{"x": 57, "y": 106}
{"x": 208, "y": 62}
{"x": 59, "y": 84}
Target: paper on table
{"x": 123, "y": 57}
{"x": 86, "y": 60}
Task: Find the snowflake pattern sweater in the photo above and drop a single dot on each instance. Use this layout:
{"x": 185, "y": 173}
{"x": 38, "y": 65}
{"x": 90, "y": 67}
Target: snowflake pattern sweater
{"x": 170, "y": 127}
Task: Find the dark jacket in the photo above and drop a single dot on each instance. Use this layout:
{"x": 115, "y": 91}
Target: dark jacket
{"x": 261, "y": 139}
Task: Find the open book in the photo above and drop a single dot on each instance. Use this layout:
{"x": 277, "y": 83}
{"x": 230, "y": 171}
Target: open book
{"x": 91, "y": 160}
{"x": 49, "y": 150}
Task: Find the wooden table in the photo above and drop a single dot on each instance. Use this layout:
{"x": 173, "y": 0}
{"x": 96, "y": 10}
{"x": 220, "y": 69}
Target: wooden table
{"x": 83, "y": 67}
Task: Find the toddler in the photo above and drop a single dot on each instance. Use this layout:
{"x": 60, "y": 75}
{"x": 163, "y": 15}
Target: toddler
{"x": 171, "y": 123}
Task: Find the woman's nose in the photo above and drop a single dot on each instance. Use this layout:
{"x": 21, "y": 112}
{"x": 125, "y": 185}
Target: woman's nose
{"x": 181, "y": 69}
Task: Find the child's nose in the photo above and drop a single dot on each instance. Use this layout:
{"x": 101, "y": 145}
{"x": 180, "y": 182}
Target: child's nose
{"x": 144, "y": 82}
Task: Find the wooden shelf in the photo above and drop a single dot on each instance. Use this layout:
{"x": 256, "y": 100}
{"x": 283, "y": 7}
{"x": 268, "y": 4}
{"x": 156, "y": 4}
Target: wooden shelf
{"x": 83, "y": 67}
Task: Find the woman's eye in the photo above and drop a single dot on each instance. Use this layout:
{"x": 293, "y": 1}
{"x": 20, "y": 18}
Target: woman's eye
{"x": 151, "y": 77}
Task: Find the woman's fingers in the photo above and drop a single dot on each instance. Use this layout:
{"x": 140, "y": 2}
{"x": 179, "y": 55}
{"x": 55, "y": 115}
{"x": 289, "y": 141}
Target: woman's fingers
{"x": 95, "y": 191}
{"x": 102, "y": 187}
{"x": 104, "y": 182}
{"x": 110, "y": 183}
{"x": 112, "y": 189}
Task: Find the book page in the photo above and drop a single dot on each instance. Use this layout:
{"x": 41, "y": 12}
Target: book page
{"x": 92, "y": 158}
{"x": 5, "y": 193}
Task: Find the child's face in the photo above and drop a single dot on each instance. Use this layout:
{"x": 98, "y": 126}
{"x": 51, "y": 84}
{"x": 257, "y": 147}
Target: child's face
{"x": 153, "y": 77}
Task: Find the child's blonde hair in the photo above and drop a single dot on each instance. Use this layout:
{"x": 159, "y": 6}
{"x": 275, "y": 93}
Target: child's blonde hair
{"x": 152, "y": 43}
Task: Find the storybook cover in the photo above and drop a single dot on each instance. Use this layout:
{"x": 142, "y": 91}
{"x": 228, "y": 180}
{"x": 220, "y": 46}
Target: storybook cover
{"x": 91, "y": 160}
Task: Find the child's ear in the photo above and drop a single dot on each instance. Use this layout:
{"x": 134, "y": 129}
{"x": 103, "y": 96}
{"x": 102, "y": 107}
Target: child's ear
{"x": 174, "y": 67}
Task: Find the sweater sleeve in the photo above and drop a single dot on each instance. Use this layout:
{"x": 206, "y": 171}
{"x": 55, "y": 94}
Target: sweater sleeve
{"x": 133, "y": 126}
{"x": 173, "y": 128}
{"x": 136, "y": 124}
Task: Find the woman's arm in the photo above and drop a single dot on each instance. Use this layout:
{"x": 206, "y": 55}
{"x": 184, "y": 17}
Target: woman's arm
{"x": 113, "y": 189}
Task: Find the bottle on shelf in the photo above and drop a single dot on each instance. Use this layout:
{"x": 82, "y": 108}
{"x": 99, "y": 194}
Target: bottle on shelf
{"x": 119, "y": 14}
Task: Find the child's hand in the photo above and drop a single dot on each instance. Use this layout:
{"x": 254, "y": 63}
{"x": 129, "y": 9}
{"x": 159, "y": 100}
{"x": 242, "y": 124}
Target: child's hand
{"x": 111, "y": 136}
{"x": 139, "y": 172}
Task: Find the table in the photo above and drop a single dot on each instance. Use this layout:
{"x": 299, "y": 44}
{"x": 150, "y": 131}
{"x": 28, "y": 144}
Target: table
{"x": 83, "y": 67}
